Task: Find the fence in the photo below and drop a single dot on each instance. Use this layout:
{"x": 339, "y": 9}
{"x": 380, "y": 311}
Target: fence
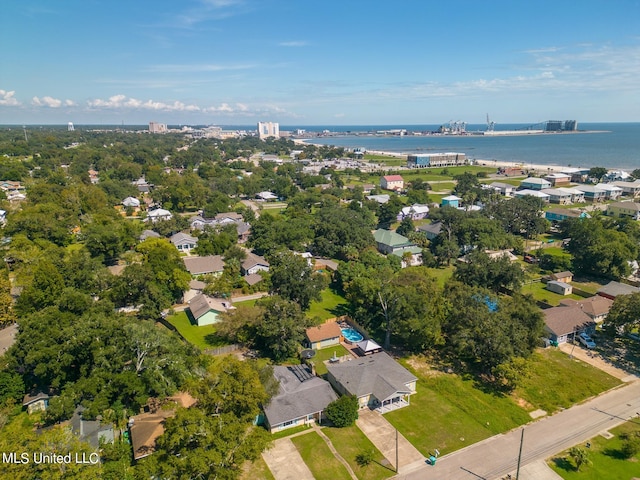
{"x": 223, "y": 350}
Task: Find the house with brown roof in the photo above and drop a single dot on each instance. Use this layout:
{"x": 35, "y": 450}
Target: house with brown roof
{"x": 206, "y": 265}
{"x": 392, "y": 182}
{"x": 597, "y": 307}
{"x": 566, "y": 277}
{"x": 323, "y": 335}
{"x": 36, "y": 402}
{"x": 565, "y": 322}
{"x": 205, "y": 309}
{"x": 253, "y": 264}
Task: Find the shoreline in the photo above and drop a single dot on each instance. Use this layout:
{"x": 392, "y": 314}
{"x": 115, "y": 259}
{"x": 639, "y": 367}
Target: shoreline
{"x": 525, "y": 166}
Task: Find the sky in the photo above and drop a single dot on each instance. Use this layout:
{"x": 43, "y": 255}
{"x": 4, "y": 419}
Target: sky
{"x": 300, "y": 62}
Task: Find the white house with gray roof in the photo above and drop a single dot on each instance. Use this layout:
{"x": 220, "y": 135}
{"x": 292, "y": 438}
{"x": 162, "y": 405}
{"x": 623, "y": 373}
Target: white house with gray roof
{"x": 301, "y": 399}
{"x": 378, "y": 381}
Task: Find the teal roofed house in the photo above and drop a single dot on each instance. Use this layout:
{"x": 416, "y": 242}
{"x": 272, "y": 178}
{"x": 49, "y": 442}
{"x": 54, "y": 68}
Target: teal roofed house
{"x": 560, "y": 214}
{"x": 451, "y": 200}
{"x": 391, "y": 242}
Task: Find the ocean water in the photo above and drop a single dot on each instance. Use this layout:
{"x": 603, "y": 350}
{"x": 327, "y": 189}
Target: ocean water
{"x": 609, "y": 145}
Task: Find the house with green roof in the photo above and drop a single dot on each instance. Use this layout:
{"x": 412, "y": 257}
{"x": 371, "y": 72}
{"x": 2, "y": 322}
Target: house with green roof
{"x": 390, "y": 242}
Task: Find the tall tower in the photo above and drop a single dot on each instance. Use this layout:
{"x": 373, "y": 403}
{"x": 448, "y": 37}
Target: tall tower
{"x": 268, "y": 129}
{"x": 70, "y": 127}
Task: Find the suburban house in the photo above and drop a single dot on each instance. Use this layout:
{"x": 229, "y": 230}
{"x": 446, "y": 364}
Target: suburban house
{"x": 565, "y": 322}
{"x": 389, "y": 242}
{"x": 195, "y": 288}
{"x": 301, "y": 399}
{"x": 266, "y": 196}
{"x": 91, "y": 431}
{"x": 560, "y": 214}
{"x": 37, "y": 402}
{"x": 431, "y": 230}
{"x": 377, "y": 380}
{"x": 414, "y": 212}
{"x": 323, "y": 335}
{"x": 624, "y": 209}
{"x": 392, "y": 182}
{"x": 629, "y": 189}
{"x": 244, "y": 231}
{"x": 253, "y": 264}
{"x": 381, "y": 199}
{"x": 613, "y": 289}
{"x": 560, "y": 288}
{"x": 199, "y": 222}
{"x": 228, "y": 217}
{"x": 184, "y": 242}
{"x": 131, "y": 202}
{"x": 410, "y": 256}
{"x": 534, "y": 183}
{"x": 207, "y": 265}
{"x": 558, "y": 195}
{"x": 597, "y": 307}
{"x": 504, "y": 189}
{"x": 566, "y": 277}
{"x": 593, "y": 194}
{"x": 451, "y": 200}
{"x": 611, "y": 191}
{"x": 205, "y": 309}
{"x": 532, "y": 193}
{"x": 159, "y": 214}
{"x": 148, "y": 234}
{"x": 497, "y": 254}
{"x": 557, "y": 179}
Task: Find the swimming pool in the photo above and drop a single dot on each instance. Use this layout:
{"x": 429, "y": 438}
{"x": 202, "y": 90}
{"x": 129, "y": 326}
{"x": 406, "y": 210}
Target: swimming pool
{"x": 351, "y": 335}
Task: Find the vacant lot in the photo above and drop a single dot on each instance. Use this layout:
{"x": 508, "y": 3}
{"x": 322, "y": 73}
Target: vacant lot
{"x": 606, "y": 458}
{"x": 449, "y": 411}
{"x": 329, "y": 305}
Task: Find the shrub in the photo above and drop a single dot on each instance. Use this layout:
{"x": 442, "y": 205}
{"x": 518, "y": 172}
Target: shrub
{"x": 364, "y": 458}
{"x": 343, "y": 412}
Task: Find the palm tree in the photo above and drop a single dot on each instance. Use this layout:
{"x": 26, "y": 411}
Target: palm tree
{"x": 580, "y": 457}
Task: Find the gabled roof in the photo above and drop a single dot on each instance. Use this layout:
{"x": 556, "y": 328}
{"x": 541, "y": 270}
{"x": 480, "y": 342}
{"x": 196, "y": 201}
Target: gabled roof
{"x": 626, "y": 205}
{"x": 149, "y": 234}
{"x": 252, "y": 260}
{"x": 145, "y": 430}
{"x": 613, "y": 289}
{"x": 533, "y": 193}
{"x": 566, "y": 320}
{"x": 181, "y": 237}
{"x": 415, "y": 208}
{"x": 559, "y": 275}
{"x": 435, "y": 228}
{"x": 204, "y": 265}
{"x": 535, "y": 181}
{"x": 300, "y": 394}
{"x": 159, "y": 212}
{"x": 377, "y": 374}
{"x": 31, "y": 398}
{"x": 325, "y": 331}
{"x": 252, "y": 279}
{"x": 382, "y": 198}
{"x": 387, "y": 237}
{"x": 450, "y": 198}
{"x": 131, "y": 202}
{"x": 201, "y": 304}
{"x": 368, "y": 346}
{"x": 393, "y": 178}
{"x": 591, "y": 189}
{"x": 593, "y": 306}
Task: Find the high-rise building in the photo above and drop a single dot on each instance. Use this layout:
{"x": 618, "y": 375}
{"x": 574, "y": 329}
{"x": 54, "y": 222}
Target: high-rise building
{"x": 155, "y": 127}
{"x": 268, "y": 129}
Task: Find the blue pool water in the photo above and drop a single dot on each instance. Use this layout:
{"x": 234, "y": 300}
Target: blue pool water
{"x": 352, "y": 335}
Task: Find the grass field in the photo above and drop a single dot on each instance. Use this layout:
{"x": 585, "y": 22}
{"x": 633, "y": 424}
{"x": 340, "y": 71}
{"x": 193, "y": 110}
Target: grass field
{"x": 442, "y": 274}
{"x": 326, "y": 354}
{"x": 607, "y": 460}
{"x": 328, "y": 306}
{"x": 449, "y": 412}
{"x": 349, "y": 442}
{"x": 202, "y": 337}
{"x": 539, "y": 292}
{"x": 257, "y": 470}
{"x": 555, "y": 381}
{"x": 289, "y": 431}
{"x": 316, "y": 454}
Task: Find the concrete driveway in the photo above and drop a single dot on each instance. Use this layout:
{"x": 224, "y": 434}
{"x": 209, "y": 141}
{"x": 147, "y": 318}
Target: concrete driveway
{"x": 596, "y": 360}
{"x": 285, "y": 462}
{"x": 7, "y": 337}
{"x": 383, "y": 435}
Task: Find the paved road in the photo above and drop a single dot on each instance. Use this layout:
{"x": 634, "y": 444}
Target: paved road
{"x": 7, "y": 337}
{"x": 497, "y": 456}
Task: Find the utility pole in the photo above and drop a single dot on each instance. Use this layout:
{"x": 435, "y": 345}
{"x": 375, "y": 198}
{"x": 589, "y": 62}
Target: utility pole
{"x": 397, "y": 464}
{"x": 520, "y": 455}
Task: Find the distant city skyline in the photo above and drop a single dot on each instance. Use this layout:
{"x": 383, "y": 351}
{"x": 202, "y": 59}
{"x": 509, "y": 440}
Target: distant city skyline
{"x": 238, "y": 62}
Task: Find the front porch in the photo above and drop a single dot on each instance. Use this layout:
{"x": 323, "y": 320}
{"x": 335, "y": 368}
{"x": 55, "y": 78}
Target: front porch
{"x": 393, "y": 404}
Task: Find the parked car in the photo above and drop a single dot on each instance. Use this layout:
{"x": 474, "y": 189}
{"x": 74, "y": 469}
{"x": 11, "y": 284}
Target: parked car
{"x": 586, "y": 340}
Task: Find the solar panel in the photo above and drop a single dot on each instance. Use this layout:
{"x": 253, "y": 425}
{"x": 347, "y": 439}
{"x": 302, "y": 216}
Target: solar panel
{"x": 301, "y": 372}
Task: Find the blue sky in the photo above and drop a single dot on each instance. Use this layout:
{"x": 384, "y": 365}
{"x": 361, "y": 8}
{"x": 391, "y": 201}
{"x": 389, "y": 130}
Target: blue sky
{"x": 299, "y": 62}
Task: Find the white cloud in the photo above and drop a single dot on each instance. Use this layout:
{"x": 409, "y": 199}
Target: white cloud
{"x": 6, "y": 98}
{"x": 46, "y": 102}
{"x": 123, "y": 102}
{"x": 202, "y": 67}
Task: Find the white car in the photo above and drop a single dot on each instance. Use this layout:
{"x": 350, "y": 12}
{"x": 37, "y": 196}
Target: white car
{"x": 586, "y": 340}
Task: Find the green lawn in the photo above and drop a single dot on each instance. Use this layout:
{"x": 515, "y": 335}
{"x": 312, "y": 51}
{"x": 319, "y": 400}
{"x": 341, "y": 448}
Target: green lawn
{"x": 316, "y": 454}
{"x": 202, "y": 337}
{"x": 442, "y": 186}
{"x": 289, "y": 431}
{"x": 257, "y": 470}
{"x": 556, "y": 381}
{"x": 328, "y": 306}
{"x": 349, "y": 442}
{"x": 326, "y": 354}
{"x": 606, "y": 458}
{"x": 539, "y": 292}
{"x": 442, "y": 274}
{"x": 449, "y": 412}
